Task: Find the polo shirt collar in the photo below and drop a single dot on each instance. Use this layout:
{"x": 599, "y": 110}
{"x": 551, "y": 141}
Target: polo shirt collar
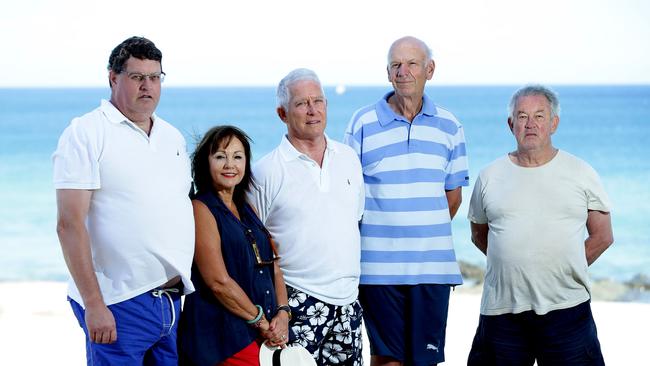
{"x": 289, "y": 152}
{"x": 114, "y": 115}
{"x": 386, "y": 115}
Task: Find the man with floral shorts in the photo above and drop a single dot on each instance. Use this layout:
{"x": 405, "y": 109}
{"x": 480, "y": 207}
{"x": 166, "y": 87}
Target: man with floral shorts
{"x": 309, "y": 193}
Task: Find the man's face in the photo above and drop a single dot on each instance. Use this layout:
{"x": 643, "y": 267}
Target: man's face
{"x": 137, "y": 100}
{"x": 306, "y": 116}
{"x": 532, "y": 124}
{"x": 409, "y": 69}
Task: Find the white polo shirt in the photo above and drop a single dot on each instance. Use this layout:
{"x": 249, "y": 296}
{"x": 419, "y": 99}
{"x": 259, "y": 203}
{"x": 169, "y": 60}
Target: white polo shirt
{"x": 313, "y": 214}
{"x": 140, "y": 220}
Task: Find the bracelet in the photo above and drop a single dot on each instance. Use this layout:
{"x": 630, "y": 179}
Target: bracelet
{"x": 260, "y": 313}
{"x": 285, "y": 308}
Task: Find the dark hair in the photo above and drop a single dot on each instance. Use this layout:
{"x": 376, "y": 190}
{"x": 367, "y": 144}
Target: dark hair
{"x": 215, "y": 137}
{"x": 138, "y": 47}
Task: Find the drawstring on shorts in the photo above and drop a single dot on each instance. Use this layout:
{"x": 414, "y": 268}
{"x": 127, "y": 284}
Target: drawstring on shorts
{"x": 165, "y": 291}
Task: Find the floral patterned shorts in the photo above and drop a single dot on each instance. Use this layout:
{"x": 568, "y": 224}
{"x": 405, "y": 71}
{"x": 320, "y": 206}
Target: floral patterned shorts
{"x": 331, "y": 333}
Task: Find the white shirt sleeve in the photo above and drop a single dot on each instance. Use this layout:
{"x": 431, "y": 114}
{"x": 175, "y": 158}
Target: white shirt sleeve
{"x": 476, "y": 212}
{"x": 597, "y": 197}
{"x": 349, "y": 135}
{"x": 256, "y": 199}
{"x": 76, "y": 159}
{"x": 263, "y": 190}
{"x": 362, "y": 193}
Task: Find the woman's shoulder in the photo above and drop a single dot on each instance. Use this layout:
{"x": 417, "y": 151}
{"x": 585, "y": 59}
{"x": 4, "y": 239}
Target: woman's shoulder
{"x": 211, "y": 201}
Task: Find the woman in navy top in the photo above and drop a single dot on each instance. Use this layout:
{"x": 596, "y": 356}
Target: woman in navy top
{"x": 238, "y": 282}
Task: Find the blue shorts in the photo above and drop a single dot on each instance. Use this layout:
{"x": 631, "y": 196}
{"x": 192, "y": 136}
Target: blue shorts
{"x": 406, "y": 322}
{"x": 146, "y": 331}
{"x": 560, "y": 337}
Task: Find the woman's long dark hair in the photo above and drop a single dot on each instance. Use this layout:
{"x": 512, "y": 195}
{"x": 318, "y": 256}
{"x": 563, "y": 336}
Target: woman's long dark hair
{"x": 215, "y": 137}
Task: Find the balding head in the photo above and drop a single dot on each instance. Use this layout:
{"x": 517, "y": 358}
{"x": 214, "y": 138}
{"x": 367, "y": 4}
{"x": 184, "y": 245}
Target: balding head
{"x": 412, "y": 41}
{"x": 409, "y": 67}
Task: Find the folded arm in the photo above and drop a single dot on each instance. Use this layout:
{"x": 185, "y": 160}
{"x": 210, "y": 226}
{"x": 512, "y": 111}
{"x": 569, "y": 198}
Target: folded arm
{"x": 480, "y": 236}
{"x": 454, "y": 199}
{"x": 599, "y": 227}
{"x": 209, "y": 260}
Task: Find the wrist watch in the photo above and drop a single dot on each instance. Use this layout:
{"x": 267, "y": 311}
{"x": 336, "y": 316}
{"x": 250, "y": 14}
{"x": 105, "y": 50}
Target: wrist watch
{"x": 284, "y": 308}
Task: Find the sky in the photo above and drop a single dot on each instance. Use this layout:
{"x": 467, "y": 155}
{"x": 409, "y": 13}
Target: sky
{"x": 66, "y": 43}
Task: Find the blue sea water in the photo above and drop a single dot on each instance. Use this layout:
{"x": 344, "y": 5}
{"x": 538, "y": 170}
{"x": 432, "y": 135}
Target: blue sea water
{"x": 608, "y": 126}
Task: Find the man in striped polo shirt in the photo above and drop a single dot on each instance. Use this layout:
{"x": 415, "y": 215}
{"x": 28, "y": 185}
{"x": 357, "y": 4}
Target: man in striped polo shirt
{"x": 414, "y": 164}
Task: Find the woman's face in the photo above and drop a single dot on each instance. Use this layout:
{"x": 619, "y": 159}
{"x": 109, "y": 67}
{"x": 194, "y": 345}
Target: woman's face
{"x": 228, "y": 165}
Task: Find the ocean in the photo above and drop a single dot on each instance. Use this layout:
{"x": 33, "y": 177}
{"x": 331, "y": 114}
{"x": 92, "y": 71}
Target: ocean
{"x": 608, "y": 126}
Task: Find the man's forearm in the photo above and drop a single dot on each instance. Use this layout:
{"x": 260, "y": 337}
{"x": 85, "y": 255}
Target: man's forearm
{"x": 595, "y": 246}
{"x": 75, "y": 244}
{"x": 454, "y": 199}
{"x": 479, "y": 234}
{"x": 599, "y": 227}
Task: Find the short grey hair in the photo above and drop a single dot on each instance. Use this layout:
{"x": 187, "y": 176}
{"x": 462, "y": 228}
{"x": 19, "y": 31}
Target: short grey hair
{"x": 283, "y": 94}
{"x": 536, "y": 89}
{"x": 420, "y": 42}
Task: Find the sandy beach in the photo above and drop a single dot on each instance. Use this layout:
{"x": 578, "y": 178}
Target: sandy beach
{"x": 37, "y": 327}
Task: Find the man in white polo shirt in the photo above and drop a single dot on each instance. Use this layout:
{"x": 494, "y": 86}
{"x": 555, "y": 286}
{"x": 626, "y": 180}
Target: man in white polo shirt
{"x": 125, "y": 224}
{"x": 309, "y": 194}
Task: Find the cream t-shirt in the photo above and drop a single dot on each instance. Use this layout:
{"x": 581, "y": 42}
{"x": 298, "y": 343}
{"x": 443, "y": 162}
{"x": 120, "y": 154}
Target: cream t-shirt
{"x": 537, "y": 229}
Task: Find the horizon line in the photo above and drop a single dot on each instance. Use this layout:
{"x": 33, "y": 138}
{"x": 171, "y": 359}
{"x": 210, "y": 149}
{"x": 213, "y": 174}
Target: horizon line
{"x": 328, "y": 85}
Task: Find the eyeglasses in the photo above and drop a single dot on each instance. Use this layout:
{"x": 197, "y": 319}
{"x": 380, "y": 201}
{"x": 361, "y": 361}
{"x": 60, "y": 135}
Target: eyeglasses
{"x": 154, "y": 77}
{"x": 256, "y": 250}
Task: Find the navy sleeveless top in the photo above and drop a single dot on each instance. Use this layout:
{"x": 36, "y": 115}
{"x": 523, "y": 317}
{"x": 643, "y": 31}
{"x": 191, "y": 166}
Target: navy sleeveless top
{"x": 208, "y": 333}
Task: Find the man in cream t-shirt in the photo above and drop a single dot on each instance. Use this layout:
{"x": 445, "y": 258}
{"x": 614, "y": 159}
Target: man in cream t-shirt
{"x": 530, "y": 212}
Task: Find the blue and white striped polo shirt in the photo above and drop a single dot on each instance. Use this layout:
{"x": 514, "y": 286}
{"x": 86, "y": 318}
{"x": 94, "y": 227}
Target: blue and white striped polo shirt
{"x": 406, "y": 228}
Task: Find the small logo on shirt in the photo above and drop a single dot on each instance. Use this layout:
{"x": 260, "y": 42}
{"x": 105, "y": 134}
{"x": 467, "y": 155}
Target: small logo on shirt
{"x": 432, "y": 347}
{"x": 348, "y": 181}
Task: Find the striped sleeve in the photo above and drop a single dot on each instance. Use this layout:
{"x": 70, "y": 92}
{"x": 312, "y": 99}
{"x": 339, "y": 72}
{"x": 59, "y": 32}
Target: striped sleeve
{"x": 457, "y": 168}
